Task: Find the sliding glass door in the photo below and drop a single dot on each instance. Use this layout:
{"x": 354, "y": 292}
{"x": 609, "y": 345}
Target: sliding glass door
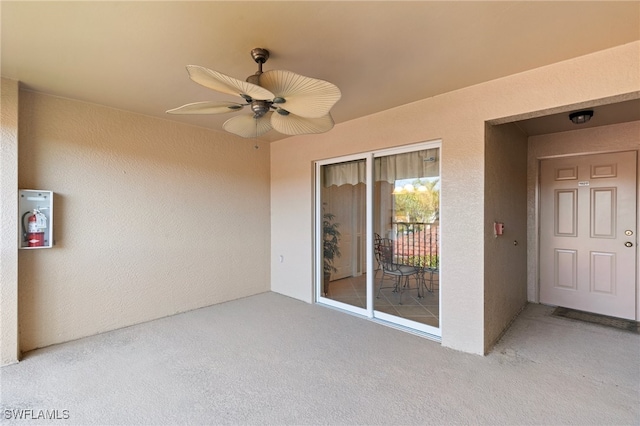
{"x": 406, "y": 208}
{"x": 378, "y": 235}
{"x": 342, "y": 209}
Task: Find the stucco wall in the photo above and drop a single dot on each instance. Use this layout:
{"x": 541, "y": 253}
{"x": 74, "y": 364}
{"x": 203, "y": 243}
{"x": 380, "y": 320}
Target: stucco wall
{"x": 458, "y": 119}
{"x": 619, "y": 137}
{"x": 505, "y": 256}
{"x": 151, "y": 218}
{"x": 9, "y": 350}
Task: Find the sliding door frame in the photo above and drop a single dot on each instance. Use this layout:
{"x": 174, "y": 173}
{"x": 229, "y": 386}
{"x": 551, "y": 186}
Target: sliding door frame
{"x": 318, "y": 263}
{"x": 370, "y": 312}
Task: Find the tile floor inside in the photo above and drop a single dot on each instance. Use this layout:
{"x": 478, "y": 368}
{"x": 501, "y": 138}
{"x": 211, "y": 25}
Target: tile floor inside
{"x": 404, "y": 304}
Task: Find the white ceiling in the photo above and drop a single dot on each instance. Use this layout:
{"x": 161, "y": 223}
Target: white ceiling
{"x": 381, "y": 54}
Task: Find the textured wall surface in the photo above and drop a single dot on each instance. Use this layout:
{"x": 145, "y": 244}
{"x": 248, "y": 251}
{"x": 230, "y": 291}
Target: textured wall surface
{"x": 505, "y": 256}
{"x": 151, "y": 218}
{"x": 619, "y": 137}
{"x": 9, "y": 349}
{"x": 458, "y": 119}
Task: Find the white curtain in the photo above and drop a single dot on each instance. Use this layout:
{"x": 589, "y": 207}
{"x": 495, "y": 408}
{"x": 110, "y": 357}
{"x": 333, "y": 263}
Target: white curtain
{"x": 352, "y": 172}
{"x": 410, "y": 165}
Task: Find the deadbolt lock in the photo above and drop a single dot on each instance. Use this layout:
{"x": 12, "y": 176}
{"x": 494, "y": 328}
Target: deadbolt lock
{"x": 628, "y": 244}
{"x": 628, "y": 232}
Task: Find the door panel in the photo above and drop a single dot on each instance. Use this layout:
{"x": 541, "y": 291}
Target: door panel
{"x": 566, "y": 269}
{"x": 587, "y": 203}
{"x": 603, "y": 213}
{"x": 566, "y": 215}
{"x": 342, "y": 193}
{"x": 603, "y": 273}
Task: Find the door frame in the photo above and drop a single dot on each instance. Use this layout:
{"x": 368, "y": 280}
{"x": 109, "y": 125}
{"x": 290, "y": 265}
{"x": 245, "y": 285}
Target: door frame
{"x": 369, "y": 311}
{"x": 318, "y": 261}
{"x": 573, "y": 148}
{"x": 591, "y": 303}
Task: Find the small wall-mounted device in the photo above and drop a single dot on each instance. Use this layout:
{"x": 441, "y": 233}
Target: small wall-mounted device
{"x": 36, "y": 218}
{"x": 498, "y": 228}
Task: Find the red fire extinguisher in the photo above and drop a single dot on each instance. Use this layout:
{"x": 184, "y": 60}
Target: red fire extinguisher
{"x": 37, "y": 223}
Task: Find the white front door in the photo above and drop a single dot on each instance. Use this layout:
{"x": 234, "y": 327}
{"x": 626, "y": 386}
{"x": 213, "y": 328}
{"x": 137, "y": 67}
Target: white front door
{"x": 588, "y": 233}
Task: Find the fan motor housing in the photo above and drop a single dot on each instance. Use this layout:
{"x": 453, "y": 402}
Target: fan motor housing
{"x": 260, "y": 108}
{"x": 254, "y": 79}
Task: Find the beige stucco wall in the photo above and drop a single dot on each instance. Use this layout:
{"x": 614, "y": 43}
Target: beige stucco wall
{"x": 505, "y": 256}
{"x": 619, "y": 137}
{"x": 151, "y": 218}
{"x": 9, "y": 350}
{"x": 458, "y": 118}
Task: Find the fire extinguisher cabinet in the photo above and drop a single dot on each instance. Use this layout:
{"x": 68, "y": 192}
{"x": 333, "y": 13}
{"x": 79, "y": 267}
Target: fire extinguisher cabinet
{"x": 36, "y": 219}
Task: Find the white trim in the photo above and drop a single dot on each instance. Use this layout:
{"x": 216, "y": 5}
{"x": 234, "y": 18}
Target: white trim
{"x": 369, "y": 236}
{"x": 405, "y": 324}
{"x": 317, "y": 220}
{"x": 344, "y": 306}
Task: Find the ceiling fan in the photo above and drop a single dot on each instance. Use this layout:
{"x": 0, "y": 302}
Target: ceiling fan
{"x": 287, "y": 102}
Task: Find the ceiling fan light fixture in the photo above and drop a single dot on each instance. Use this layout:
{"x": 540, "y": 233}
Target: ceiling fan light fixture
{"x": 259, "y": 108}
{"x": 581, "y": 117}
{"x": 308, "y": 100}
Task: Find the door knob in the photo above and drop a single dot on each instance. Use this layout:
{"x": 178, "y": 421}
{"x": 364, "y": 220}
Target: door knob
{"x": 628, "y": 244}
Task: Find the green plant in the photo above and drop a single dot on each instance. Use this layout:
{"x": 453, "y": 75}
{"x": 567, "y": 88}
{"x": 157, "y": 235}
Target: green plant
{"x": 425, "y": 261}
{"x": 330, "y": 240}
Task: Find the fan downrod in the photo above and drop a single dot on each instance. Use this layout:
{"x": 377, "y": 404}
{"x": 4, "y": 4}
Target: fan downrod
{"x": 259, "y": 55}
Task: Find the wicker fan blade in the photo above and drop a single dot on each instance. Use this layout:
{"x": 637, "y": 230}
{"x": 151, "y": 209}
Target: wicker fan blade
{"x": 304, "y": 96}
{"x": 247, "y": 126}
{"x": 295, "y": 125}
{"x": 225, "y": 84}
{"x": 207, "y": 108}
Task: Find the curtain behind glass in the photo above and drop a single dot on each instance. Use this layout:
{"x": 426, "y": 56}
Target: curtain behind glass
{"x": 425, "y": 163}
